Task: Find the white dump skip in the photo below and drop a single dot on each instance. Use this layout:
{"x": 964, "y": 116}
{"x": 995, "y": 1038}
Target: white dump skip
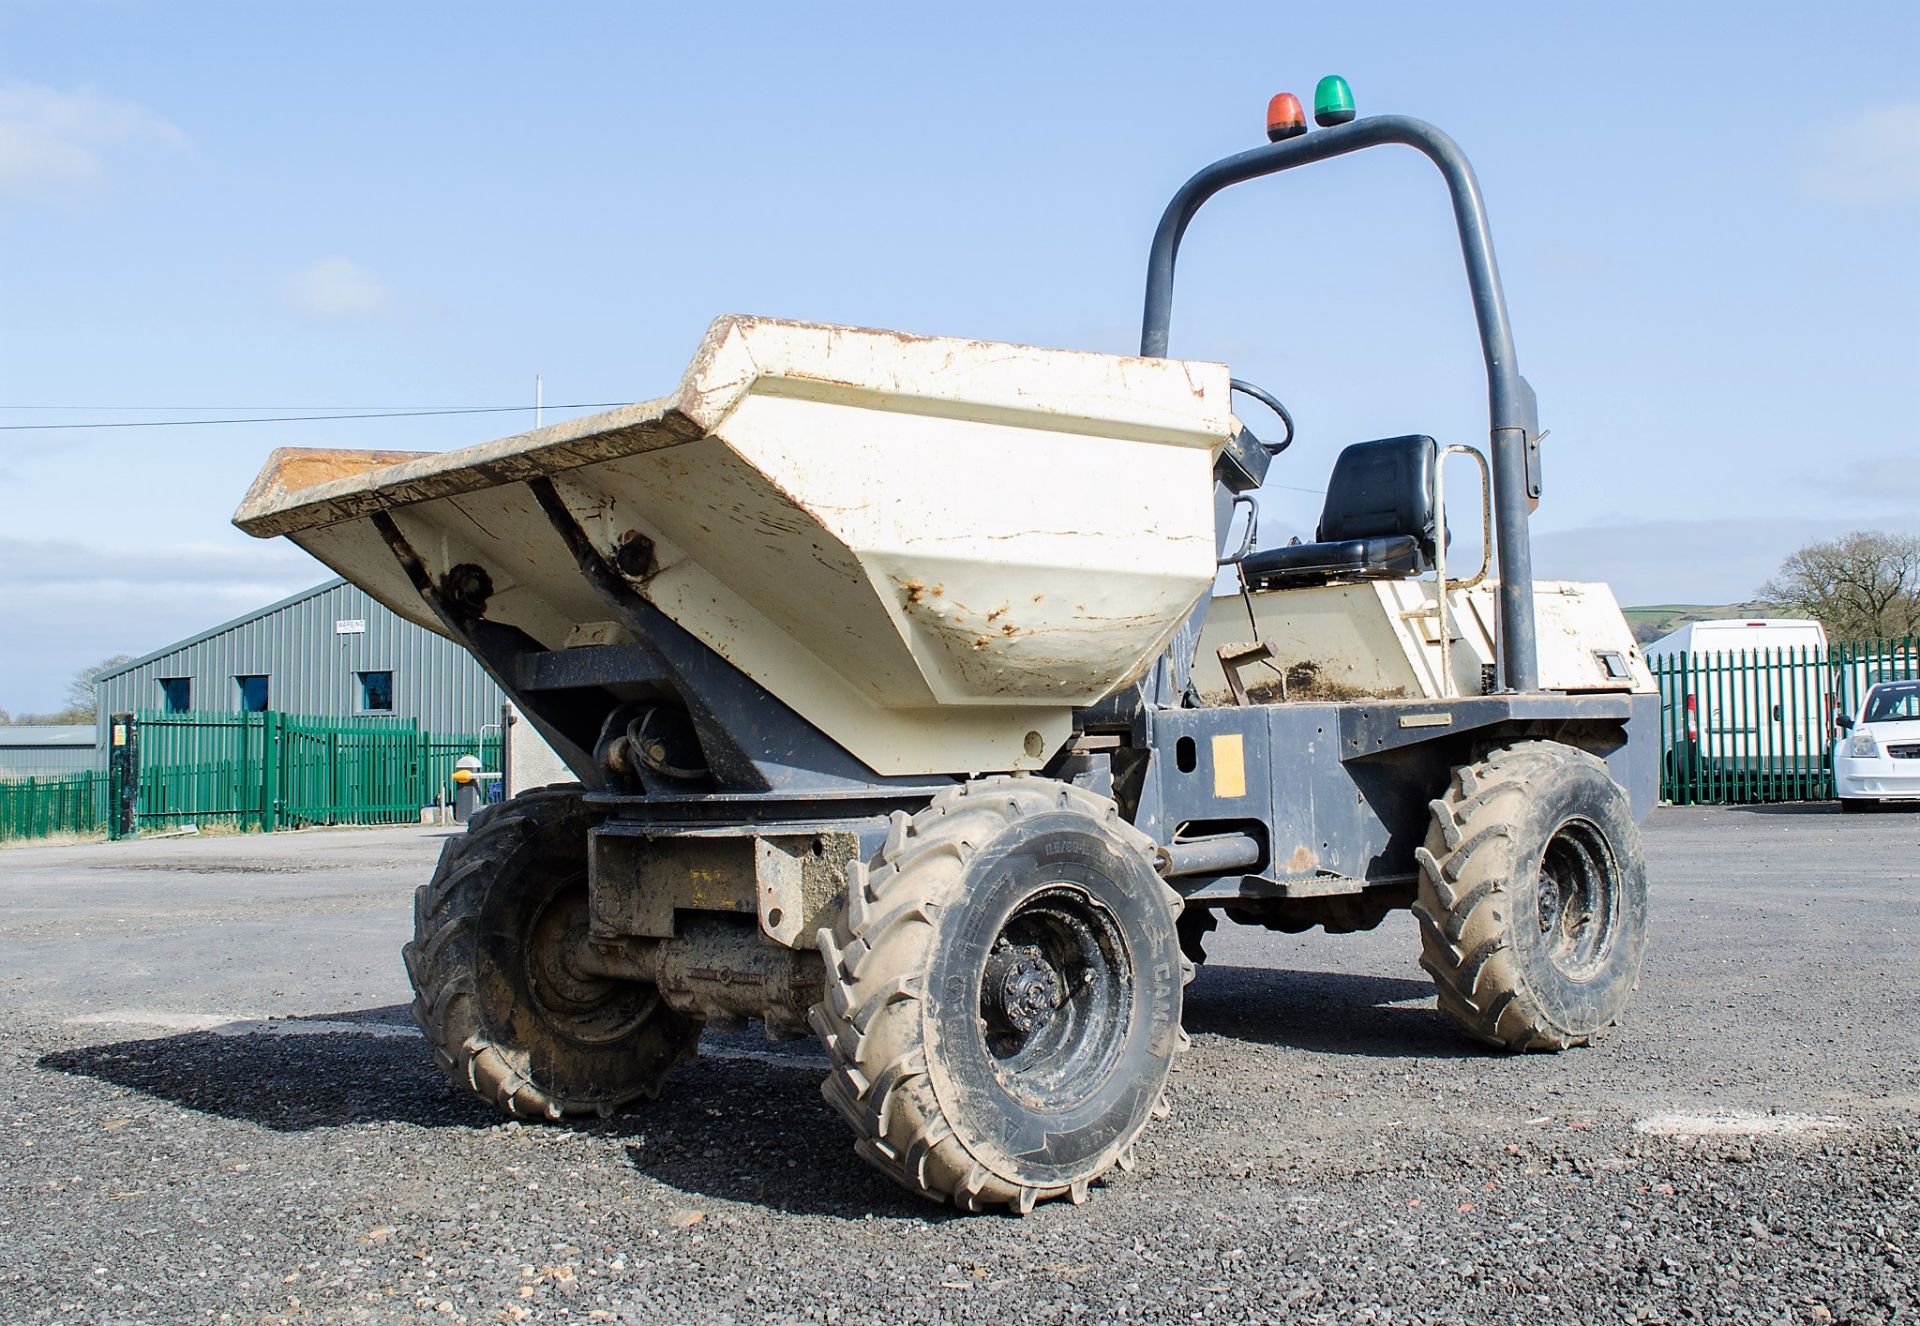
{"x": 932, "y": 549}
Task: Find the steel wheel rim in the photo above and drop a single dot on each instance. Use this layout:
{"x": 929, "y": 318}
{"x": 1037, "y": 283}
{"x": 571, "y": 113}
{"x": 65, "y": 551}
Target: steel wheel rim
{"x": 1578, "y": 900}
{"x": 1056, "y": 994}
{"x": 587, "y": 1008}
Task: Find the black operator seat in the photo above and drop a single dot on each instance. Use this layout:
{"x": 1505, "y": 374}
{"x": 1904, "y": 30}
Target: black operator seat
{"x": 1377, "y": 523}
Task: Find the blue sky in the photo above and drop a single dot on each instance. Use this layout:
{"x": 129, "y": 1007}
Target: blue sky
{"x": 1706, "y": 216}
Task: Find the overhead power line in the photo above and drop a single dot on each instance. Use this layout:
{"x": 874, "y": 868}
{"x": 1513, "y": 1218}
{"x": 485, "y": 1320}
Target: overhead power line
{"x": 210, "y": 409}
{"x": 296, "y": 418}
{"x": 352, "y": 412}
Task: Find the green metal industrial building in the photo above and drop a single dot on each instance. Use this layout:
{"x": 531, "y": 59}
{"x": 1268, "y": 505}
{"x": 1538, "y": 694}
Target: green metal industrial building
{"x": 326, "y": 652}
{"x": 323, "y": 708}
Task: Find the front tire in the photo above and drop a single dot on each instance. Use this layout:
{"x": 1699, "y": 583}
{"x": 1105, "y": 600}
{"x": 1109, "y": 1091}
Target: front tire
{"x": 1003, "y": 995}
{"x": 1532, "y": 898}
{"x": 508, "y": 1015}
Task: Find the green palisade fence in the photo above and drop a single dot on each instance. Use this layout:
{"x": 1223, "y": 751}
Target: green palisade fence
{"x": 257, "y": 771}
{"x": 1734, "y": 727}
{"x": 274, "y": 771}
{"x": 1756, "y": 727}
{"x": 58, "y": 803}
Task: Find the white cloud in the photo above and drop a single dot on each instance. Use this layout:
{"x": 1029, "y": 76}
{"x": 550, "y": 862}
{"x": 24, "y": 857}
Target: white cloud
{"x": 33, "y": 565}
{"x": 1869, "y": 159}
{"x": 68, "y": 604}
{"x": 56, "y": 147}
{"x": 1871, "y": 483}
{"x": 338, "y": 288}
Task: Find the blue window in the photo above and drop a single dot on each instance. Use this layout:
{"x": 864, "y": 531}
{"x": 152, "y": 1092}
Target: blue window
{"x": 176, "y": 694}
{"x": 376, "y": 692}
{"x": 253, "y": 694}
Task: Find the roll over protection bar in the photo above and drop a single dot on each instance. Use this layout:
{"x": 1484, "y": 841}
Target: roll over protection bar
{"x": 1513, "y": 412}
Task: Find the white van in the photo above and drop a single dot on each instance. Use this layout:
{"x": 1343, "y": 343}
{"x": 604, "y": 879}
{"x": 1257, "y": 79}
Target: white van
{"x": 1742, "y": 635}
{"x": 1750, "y": 696}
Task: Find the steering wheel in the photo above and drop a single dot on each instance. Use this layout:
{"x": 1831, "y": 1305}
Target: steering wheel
{"x": 1272, "y": 402}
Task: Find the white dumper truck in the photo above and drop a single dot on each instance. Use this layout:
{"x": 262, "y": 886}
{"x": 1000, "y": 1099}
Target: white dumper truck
{"x": 875, "y": 658}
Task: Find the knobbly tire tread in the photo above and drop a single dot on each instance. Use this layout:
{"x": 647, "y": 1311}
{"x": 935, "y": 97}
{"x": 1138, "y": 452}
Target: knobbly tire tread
{"x": 440, "y": 962}
{"x": 875, "y": 956}
{"x": 1467, "y": 897}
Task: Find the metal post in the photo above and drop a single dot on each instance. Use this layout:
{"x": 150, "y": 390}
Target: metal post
{"x": 1440, "y": 573}
{"x": 1514, "y": 417}
{"x": 270, "y": 751}
{"x": 123, "y": 776}
{"x": 507, "y": 724}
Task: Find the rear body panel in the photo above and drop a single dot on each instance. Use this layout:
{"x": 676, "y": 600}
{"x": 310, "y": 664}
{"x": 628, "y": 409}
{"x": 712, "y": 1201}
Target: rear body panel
{"x": 1382, "y": 638}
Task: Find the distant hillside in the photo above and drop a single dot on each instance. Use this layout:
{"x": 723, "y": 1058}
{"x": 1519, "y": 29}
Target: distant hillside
{"x": 1654, "y": 620}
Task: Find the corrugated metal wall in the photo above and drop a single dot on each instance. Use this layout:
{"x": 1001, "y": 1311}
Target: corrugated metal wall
{"x": 31, "y": 752}
{"x": 312, "y": 665}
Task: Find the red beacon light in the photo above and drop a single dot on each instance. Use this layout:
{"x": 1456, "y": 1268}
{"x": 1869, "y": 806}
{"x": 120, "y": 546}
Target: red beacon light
{"x": 1285, "y": 118}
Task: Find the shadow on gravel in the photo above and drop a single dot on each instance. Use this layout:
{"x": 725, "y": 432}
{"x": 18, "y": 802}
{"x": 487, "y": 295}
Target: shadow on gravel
{"x": 753, "y": 1131}
{"x": 286, "y": 1079}
{"x": 1326, "y": 1012}
{"x": 746, "y": 1123}
{"x": 748, "y": 1127}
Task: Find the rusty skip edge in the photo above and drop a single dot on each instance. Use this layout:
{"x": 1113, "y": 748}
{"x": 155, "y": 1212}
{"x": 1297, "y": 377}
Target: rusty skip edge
{"x": 301, "y": 488}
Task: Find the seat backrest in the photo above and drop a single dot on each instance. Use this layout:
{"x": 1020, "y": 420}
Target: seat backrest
{"x": 1380, "y": 489}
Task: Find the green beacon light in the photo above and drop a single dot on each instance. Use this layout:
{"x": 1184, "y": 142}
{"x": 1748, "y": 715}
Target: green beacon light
{"x": 1332, "y": 102}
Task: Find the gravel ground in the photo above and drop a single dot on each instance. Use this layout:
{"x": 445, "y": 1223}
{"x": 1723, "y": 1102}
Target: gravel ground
{"x": 217, "y": 1111}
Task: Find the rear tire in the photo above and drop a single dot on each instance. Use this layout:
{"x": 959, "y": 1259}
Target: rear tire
{"x": 507, "y": 1015}
{"x": 1003, "y": 995}
{"x": 1532, "y": 898}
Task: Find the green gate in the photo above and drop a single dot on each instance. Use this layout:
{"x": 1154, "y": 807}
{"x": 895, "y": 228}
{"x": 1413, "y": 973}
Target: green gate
{"x": 351, "y": 772}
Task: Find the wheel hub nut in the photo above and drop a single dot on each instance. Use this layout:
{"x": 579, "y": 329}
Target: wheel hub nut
{"x": 1023, "y": 988}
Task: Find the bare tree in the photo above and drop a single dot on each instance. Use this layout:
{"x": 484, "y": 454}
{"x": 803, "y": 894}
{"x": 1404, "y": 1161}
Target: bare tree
{"x": 81, "y": 705}
{"x": 1863, "y": 586}
{"x": 81, "y": 702}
